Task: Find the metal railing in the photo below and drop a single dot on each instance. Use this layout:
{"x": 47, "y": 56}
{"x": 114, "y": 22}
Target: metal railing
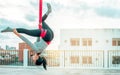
{"x": 10, "y": 57}
{"x": 66, "y": 58}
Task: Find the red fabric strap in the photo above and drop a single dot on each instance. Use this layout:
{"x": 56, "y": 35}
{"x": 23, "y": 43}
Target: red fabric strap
{"x": 43, "y": 34}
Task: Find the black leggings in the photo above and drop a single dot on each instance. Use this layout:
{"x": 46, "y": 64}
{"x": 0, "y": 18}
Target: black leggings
{"x": 36, "y": 32}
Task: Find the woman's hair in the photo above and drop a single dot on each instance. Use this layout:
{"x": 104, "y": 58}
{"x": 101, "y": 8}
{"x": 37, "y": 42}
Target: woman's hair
{"x": 40, "y": 61}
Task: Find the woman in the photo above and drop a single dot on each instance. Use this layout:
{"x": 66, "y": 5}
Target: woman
{"x": 44, "y": 37}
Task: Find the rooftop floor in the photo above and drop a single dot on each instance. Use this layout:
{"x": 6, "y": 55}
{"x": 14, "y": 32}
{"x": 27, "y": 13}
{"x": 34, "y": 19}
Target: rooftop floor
{"x": 54, "y": 71}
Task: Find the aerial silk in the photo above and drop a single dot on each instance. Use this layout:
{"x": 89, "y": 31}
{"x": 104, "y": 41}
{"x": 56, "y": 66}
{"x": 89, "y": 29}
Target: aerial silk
{"x": 43, "y": 33}
{"x": 40, "y": 14}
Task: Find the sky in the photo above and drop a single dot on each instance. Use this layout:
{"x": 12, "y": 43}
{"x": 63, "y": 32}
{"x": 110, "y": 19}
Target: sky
{"x": 67, "y": 14}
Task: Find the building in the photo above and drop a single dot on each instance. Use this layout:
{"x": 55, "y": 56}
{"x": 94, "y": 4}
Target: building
{"x": 22, "y": 46}
{"x": 90, "y": 39}
{"x": 91, "y": 47}
{"x": 10, "y": 48}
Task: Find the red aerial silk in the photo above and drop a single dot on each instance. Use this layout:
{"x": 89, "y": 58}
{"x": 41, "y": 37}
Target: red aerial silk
{"x": 40, "y": 14}
{"x": 43, "y": 32}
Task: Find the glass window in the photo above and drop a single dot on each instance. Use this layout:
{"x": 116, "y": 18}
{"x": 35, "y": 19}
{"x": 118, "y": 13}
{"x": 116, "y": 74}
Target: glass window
{"x": 116, "y": 60}
{"x": 116, "y": 42}
{"x": 74, "y": 59}
{"x": 87, "y": 42}
{"x": 87, "y": 60}
{"x": 84, "y": 43}
{"x": 75, "y": 42}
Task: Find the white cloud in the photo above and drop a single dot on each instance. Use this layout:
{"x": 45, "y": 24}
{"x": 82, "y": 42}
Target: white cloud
{"x": 17, "y": 10}
{"x": 81, "y": 18}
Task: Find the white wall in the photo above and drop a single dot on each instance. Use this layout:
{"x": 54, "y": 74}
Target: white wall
{"x": 100, "y": 35}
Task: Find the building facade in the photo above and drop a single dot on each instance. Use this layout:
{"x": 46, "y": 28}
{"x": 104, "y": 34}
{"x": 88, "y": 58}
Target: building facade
{"x": 91, "y": 47}
{"x": 90, "y": 39}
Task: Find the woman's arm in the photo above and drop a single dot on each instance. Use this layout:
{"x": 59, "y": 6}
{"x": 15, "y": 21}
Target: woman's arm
{"x": 25, "y": 40}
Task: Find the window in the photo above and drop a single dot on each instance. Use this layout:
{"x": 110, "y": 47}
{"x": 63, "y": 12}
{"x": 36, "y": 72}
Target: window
{"x": 74, "y": 59}
{"x": 119, "y": 43}
{"x": 87, "y": 42}
{"x": 75, "y": 41}
{"x": 87, "y": 60}
{"x": 116, "y": 42}
{"x": 116, "y": 60}
{"x": 84, "y": 42}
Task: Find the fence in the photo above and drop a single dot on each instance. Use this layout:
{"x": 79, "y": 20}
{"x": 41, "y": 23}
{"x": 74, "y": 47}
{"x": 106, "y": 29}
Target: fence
{"x": 9, "y": 57}
{"x": 86, "y": 58}
{"x": 65, "y": 58}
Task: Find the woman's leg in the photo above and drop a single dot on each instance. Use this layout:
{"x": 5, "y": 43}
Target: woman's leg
{"x": 47, "y": 13}
{"x": 35, "y": 32}
{"x": 49, "y": 35}
{"x": 44, "y": 17}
